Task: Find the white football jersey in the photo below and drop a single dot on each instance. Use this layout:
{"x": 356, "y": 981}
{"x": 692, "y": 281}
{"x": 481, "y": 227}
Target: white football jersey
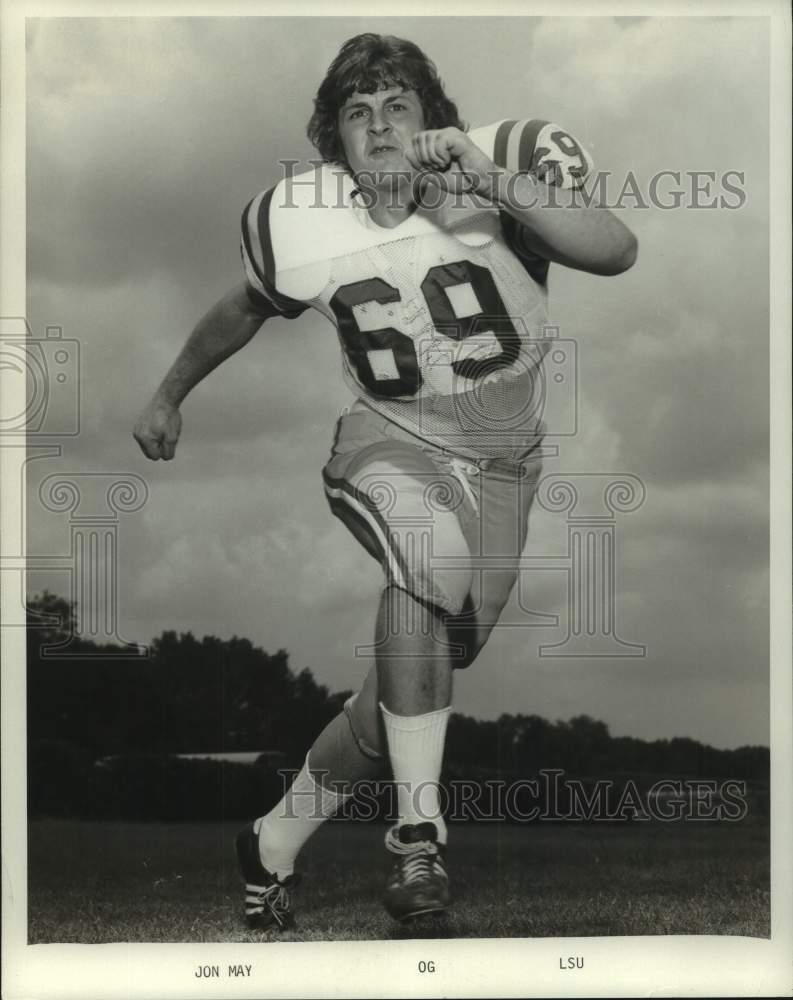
{"x": 439, "y": 319}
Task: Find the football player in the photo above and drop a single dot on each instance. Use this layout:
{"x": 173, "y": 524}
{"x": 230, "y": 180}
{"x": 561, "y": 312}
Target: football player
{"x": 428, "y": 247}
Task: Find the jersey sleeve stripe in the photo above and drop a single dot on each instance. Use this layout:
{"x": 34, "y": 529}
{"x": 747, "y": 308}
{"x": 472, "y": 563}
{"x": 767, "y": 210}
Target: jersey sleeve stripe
{"x": 264, "y": 237}
{"x": 515, "y": 148}
{"x": 257, "y": 253}
{"x": 500, "y": 143}
{"x": 527, "y": 142}
{"x": 250, "y": 235}
{"x": 515, "y": 143}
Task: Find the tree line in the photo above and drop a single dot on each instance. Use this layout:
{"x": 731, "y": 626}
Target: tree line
{"x": 133, "y": 715}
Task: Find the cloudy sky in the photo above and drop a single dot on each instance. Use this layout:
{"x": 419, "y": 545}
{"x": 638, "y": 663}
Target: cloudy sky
{"x": 146, "y": 137}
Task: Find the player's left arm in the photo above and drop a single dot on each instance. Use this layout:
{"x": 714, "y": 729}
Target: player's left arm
{"x": 558, "y": 224}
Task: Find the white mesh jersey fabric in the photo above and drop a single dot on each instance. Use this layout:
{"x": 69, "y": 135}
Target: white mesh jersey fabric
{"x": 437, "y": 346}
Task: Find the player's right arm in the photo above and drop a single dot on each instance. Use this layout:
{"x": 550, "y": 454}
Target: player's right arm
{"x": 227, "y": 327}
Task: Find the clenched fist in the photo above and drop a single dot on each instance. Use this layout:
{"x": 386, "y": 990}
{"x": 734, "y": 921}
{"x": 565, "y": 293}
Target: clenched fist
{"x": 158, "y": 428}
{"x": 454, "y": 160}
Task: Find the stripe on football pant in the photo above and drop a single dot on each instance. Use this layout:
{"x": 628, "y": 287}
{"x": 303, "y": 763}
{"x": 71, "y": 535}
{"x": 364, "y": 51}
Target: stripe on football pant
{"x": 353, "y": 505}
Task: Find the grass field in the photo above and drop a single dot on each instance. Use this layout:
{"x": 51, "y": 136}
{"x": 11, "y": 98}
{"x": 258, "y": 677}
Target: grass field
{"x": 101, "y": 882}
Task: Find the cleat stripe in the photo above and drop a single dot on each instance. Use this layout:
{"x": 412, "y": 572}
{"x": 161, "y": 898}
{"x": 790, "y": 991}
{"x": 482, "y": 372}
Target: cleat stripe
{"x": 265, "y": 904}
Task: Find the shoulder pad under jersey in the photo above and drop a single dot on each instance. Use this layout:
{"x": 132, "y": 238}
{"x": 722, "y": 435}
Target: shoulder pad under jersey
{"x": 292, "y": 232}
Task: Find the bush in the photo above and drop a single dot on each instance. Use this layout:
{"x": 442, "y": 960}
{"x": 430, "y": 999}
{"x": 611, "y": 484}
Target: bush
{"x": 60, "y": 778}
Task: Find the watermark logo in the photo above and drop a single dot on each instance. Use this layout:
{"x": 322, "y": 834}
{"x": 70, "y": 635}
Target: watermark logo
{"x": 550, "y": 796}
{"x": 42, "y": 388}
{"x": 669, "y": 189}
{"x": 537, "y": 392}
{"x": 49, "y": 370}
{"x": 442, "y": 580}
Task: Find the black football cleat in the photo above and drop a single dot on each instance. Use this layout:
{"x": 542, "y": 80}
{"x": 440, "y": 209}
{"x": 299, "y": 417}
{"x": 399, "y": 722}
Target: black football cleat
{"x": 268, "y": 902}
{"x": 418, "y": 883}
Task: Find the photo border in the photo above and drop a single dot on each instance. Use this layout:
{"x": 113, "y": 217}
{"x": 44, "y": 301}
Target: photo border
{"x": 665, "y": 965}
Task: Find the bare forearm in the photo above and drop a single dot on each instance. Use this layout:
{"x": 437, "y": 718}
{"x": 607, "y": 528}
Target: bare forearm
{"x": 228, "y": 326}
{"x": 563, "y": 228}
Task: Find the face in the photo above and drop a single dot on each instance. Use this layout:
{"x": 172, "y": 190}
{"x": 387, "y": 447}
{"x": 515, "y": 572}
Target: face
{"x": 375, "y": 129}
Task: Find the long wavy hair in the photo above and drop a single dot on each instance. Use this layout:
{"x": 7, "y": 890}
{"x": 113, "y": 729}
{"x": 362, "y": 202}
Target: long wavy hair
{"x": 368, "y": 63}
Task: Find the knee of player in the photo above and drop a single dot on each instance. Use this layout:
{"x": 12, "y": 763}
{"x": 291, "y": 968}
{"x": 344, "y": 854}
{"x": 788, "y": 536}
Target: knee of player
{"x": 366, "y": 728}
{"x": 445, "y": 584}
{"x": 466, "y": 639}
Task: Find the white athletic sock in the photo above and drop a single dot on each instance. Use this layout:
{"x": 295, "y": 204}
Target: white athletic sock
{"x": 302, "y": 811}
{"x": 415, "y": 746}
